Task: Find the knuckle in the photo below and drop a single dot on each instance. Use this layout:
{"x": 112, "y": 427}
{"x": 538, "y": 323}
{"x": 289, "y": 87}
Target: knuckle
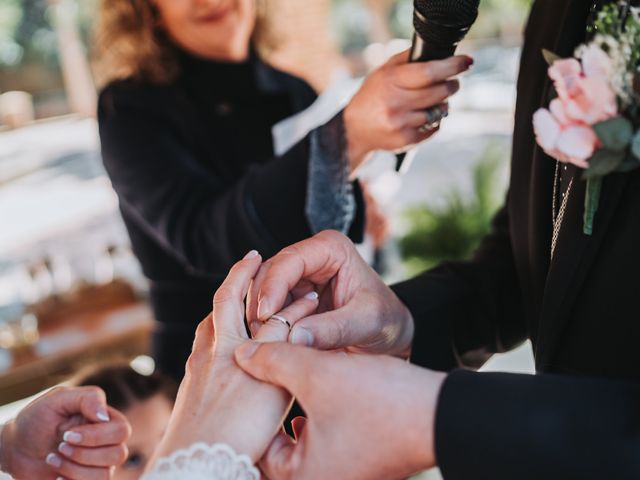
{"x": 224, "y": 294}
{"x": 429, "y": 74}
{"x": 122, "y": 431}
{"x": 332, "y": 236}
{"x": 408, "y": 136}
{"x": 120, "y": 455}
{"x": 96, "y": 392}
{"x": 290, "y": 250}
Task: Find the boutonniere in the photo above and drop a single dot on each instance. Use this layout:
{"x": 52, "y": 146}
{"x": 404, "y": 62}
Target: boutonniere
{"x": 594, "y": 121}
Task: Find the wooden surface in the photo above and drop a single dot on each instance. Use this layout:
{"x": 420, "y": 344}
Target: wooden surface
{"x": 122, "y": 332}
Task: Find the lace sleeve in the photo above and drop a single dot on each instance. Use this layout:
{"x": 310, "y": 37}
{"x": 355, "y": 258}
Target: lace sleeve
{"x": 204, "y": 462}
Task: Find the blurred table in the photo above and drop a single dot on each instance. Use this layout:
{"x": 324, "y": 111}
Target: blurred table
{"x": 88, "y": 338}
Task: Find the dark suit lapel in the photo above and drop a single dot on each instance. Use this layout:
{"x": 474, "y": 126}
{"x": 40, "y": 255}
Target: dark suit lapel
{"x": 574, "y": 256}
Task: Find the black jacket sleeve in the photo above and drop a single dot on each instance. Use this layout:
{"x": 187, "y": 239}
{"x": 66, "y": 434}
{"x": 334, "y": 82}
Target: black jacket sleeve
{"x": 465, "y": 311}
{"x": 205, "y": 223}
{"x": 525, "y": 427}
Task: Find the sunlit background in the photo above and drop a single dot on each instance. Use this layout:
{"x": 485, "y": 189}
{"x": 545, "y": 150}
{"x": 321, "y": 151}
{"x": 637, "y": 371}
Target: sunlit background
{"x": 71, "y": 292}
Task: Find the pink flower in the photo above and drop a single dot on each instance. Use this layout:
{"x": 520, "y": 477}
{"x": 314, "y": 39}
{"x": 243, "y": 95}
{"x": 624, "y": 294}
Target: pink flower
{"x": 584, "y": 98}
{"x": 568, "y": 144}
{"x": 592, "y": 101}
{"x": 565, "y": 74}
{"x": 596, "y": 63}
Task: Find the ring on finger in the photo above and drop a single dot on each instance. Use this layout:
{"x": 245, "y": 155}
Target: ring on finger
{"x": 434, "y": 117}
{"x": 281, "y": 319}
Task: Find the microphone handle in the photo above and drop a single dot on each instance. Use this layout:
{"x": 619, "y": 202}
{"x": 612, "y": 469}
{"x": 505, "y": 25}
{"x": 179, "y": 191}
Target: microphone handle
{"x": 421, "y": 53}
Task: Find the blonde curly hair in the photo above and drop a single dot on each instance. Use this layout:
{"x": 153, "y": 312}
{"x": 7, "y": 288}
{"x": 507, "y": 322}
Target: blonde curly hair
{"x": 129, "y": 42}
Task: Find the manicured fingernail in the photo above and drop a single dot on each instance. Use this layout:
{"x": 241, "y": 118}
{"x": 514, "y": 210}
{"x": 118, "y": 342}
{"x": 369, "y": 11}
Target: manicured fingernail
{"x": 311, "y": 296}
{"x": 302, "y": 336}
{"x": 246, "y": 350}
{"x": 59, "y": 478}
{"x": 470, "y": 61}
{"x": 72, "y": 437}
{"x": 54, "y": 460}
{"x": 251, "y": 254}
{"x": 263, "y": 309}
{"x": 102, "y": 415}
{"x": 65, "y": 449}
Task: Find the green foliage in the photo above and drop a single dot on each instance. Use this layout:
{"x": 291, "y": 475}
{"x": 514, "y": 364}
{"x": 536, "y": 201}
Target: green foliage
{"x": 454, "y": 230}
{"x": 603, "y": 162}
{"x": 615, "y": 133}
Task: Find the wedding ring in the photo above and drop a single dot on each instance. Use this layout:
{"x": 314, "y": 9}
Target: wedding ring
{"x": 281, "y": 319}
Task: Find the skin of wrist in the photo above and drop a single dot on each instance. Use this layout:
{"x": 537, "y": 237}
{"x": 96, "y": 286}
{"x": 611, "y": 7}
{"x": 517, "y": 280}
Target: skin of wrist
{"x": 428, "y": 386}
{"x": 357, "y": 151}
{"x": 231, "y": 387}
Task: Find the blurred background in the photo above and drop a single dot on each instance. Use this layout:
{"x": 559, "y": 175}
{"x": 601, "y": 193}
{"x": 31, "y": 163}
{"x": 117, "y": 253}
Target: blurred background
{"x": 71, "y": 292}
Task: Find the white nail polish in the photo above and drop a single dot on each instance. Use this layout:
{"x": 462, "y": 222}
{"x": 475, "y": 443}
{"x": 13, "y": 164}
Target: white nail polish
{"x": 251, "y": 254}
{"x": 54, "y": 460}
{"x": 72, "y": 437}
{"x": 102, "y": 416}
{"x": 311, "y": 296}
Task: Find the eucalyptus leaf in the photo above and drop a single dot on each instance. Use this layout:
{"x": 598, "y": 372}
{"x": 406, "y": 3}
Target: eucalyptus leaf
{"x": 615, "y": 134}
{"x": 635, "y": 145}
{"x": 550, "y": 57}
{"x": 603, "y": 162}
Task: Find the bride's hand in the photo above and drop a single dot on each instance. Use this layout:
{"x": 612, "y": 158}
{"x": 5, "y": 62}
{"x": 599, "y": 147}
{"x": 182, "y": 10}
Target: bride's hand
{"x": 217, "y": 401}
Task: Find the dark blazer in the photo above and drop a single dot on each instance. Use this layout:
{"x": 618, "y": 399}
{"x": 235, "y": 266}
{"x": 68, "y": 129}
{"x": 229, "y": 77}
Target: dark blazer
{"x": 579, "y": 418}
{"x": 192, "y": 163}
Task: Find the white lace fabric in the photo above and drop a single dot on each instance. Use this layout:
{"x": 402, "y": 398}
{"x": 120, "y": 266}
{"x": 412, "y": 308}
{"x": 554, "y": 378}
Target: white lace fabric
{"x": 204, "y": 462}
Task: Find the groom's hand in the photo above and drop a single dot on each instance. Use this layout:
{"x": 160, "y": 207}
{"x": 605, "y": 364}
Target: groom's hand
{"x": 357, "y": 310}
{"x": 368, "y": 416}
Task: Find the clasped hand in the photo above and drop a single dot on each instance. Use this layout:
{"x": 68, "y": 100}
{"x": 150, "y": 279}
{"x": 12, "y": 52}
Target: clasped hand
{"x": 369, "y": 415}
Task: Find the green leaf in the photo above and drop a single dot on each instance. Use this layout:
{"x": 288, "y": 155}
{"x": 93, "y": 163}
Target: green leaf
{"x": 591, "y": 203}
{"x": 615, "y": 134}
{"x": 635, "y": 145}
{"x": 549, "y": 56}
{"x": 603, "y": 162}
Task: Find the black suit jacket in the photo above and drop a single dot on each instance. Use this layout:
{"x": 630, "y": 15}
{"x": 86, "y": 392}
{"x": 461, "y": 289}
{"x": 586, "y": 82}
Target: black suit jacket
{"x": 579, "y": 418}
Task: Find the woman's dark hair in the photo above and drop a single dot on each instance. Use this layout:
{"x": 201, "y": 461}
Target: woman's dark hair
{"x": 124, "y": 386}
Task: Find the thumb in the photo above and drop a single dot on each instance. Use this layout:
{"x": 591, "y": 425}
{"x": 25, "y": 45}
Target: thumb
{"x": 90, "y": 402}
{"x": 278, "y": 461}
{"x": 342, "y": 328}
{"x": 287, "y": 366}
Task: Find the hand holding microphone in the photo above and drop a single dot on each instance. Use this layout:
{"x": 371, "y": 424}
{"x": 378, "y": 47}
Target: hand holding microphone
{"x": 400, "y": 104}
{"x": 392, "y": 106}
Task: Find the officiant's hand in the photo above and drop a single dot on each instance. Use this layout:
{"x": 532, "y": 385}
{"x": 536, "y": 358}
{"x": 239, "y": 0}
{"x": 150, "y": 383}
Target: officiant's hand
{"x": 357, "y": 310}
{"x": 217, "y": 401}
{"x": 368, "y": 416}
{"x": 388, "y": 110}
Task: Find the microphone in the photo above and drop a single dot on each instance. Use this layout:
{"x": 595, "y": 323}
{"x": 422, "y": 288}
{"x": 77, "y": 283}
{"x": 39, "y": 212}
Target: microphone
{"x": 440, "y": 25}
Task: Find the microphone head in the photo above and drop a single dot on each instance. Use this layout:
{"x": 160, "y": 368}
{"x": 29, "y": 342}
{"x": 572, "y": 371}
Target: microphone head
{"x": 442, "y": 24}
{"x": 450, "y": 13}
